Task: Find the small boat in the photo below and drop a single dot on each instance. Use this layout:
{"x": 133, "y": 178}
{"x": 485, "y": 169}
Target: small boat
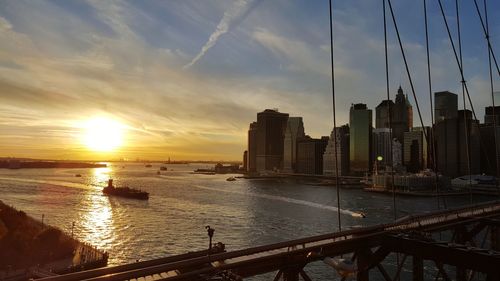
{"x": 158, "y": 172}
{"x": 163, "y": 168}
{"x": 231, "y": 179}
{"x": 148, "y": 166}
{"x": 126, "y": 192}
{"x": 78, "y": 175}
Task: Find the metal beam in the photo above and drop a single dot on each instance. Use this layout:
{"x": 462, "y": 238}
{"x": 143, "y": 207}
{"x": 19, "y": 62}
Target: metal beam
{"x": 456, "y": 255}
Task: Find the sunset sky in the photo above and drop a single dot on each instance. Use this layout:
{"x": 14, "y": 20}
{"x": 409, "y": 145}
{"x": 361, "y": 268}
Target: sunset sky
{"x": 184, "y": 78}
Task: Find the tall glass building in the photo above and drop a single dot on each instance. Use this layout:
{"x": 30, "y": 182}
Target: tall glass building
{"x": 360, "y": 135}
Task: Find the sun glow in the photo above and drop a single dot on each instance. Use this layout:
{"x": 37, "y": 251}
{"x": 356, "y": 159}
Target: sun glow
{"x": 103, "y": 134}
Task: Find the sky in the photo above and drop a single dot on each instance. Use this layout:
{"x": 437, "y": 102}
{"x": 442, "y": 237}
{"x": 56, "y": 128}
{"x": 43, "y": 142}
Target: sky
{"x": 184, "y": 78}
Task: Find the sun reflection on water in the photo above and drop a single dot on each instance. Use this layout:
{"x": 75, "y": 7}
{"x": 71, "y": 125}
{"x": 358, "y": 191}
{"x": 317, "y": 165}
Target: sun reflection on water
{"x": 101, "y": 175}
{"x": 97, "y": 222}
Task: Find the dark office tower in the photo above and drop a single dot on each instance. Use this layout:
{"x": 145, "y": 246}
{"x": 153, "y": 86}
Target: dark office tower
{"x": 342, "y": 144}
{"x": 488, "y": 151}
{"x": 245, "y": 160}
{"x": 271, "y": 126}
{"x": 416, "y": 149}
{"x": 488, "y": 161}
{"x": 491, "y": 115}
{"x": 310, "y": 155}
{"x": 294, "y": 131}
{"x": 252, "y": 148}
{"x": 402, "y": 118}
{"x": 474, "y": 143}
{"x": 360, "y": 138}
{"x": 446, "y": 106}
{"x": 382, "y": 114}
{"x": 451, "y": 145}
{"x": 381, "y": 143}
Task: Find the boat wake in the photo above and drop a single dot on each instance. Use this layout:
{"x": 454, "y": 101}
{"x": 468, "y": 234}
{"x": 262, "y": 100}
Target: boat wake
{"x": 285, "y": 199}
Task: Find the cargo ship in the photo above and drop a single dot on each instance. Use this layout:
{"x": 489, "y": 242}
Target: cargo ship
{"x": 126, "y": 192}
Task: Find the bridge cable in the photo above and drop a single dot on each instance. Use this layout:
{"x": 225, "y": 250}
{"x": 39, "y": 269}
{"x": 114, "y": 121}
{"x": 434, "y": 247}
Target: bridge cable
{"x": 391, "y": 160}
{"x": 492, "y": 95}
{"x": 487, "y": 37}
{"x": 466, "y": 127}
{"x": 407, "y": 67}
{"x": 461, "y": 71}
{"x": 337, "y": 182}
{"x": 432, "y": 139}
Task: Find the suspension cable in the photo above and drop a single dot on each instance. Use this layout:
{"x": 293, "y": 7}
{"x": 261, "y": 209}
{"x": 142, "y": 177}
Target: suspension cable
{"x": 391, "y": 160}
{"x": 487, "y": 37}
{"x": 406, "y": 66}
{"x": 466, "y": 127}
{"x": 432, "y": 139}
{"x": 334, "y": 118}
{"x": 492, "y": 95}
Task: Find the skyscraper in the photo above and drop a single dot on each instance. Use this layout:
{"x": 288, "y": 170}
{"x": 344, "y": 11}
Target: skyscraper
{"x": 271, "y": 126}
{"x": 381, "y": 142}
{"x": 402, "y": 118}
{"x": 342, "y": 143}
{"x": 294, "y": 131}
{"x": 416, "y": 149}
{"x": 446, "y": 106}
{"x": 453, "y": 130}
{"x": 382, "y": 114}
{"x": 360, "y": 135}
{"x": 252, "y": 148}
{"x": 310, "y": 155}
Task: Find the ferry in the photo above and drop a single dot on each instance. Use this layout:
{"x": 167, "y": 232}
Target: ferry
{"x": 126, "y": 192}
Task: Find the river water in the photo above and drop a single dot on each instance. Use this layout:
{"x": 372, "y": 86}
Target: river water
{"x": 244, "y": 213}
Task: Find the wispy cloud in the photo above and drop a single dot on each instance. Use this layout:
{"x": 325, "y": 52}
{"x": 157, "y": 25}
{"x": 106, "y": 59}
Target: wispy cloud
{"x": 235, "y": 14}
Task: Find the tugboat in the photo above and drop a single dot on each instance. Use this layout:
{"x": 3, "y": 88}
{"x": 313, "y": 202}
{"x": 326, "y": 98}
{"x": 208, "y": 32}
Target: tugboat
{"x": 126, "y": 192}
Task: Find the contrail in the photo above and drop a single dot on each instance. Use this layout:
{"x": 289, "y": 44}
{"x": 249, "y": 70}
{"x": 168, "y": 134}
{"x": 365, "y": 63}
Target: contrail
{"x": 234, "y": 15}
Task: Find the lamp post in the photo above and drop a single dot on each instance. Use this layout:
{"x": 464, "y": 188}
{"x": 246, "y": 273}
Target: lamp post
{"x": 210, "y": 232}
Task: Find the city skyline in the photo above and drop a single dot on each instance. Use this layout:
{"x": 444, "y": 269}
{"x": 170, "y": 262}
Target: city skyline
{"x": 183, "y": 79}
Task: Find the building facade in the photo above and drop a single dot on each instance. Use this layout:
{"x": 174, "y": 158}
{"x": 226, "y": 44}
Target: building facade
{"x": 381, "y": 142}
{"x": 341, "y": 142}
{"x": 271, "y": 126}
{"x": 445, "y": 106}
{"x": 294, "y": 131}
{"x": 252, "y": 148}
{"x": 310, "y": 155}
{"x": 416, "y": 149}
{"x": 458, "y": 144}
{"x": 360, "y": 138}
{"x": 402, "y": 120}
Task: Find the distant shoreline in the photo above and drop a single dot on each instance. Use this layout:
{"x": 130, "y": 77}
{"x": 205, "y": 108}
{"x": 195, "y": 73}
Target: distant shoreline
{"x": 48, "y": 165}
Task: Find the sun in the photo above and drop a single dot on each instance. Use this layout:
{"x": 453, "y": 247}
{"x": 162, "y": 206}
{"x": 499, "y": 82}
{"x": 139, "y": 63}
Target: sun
{"x": 103, "y": 134}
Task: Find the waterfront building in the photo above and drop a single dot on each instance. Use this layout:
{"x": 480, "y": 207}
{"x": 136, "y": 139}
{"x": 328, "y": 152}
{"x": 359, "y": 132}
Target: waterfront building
{"x": 294, "y": 131}
{"x": 451, "y": 148}
{"x": 310, "y": 155}
{"x": 381, "y": 142}
{"x": 245, "y": 160}
{"x": 252, "y": 148}
{"x": 271, "y": 126}
{"x": 342, "y": 143}
{"x": 446, "y": 106}
{"x": 488, "y": 151}
{"x": 360, "y": 136}
{"x": 416, "y": 149}
{"x": 397, "y": 153}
